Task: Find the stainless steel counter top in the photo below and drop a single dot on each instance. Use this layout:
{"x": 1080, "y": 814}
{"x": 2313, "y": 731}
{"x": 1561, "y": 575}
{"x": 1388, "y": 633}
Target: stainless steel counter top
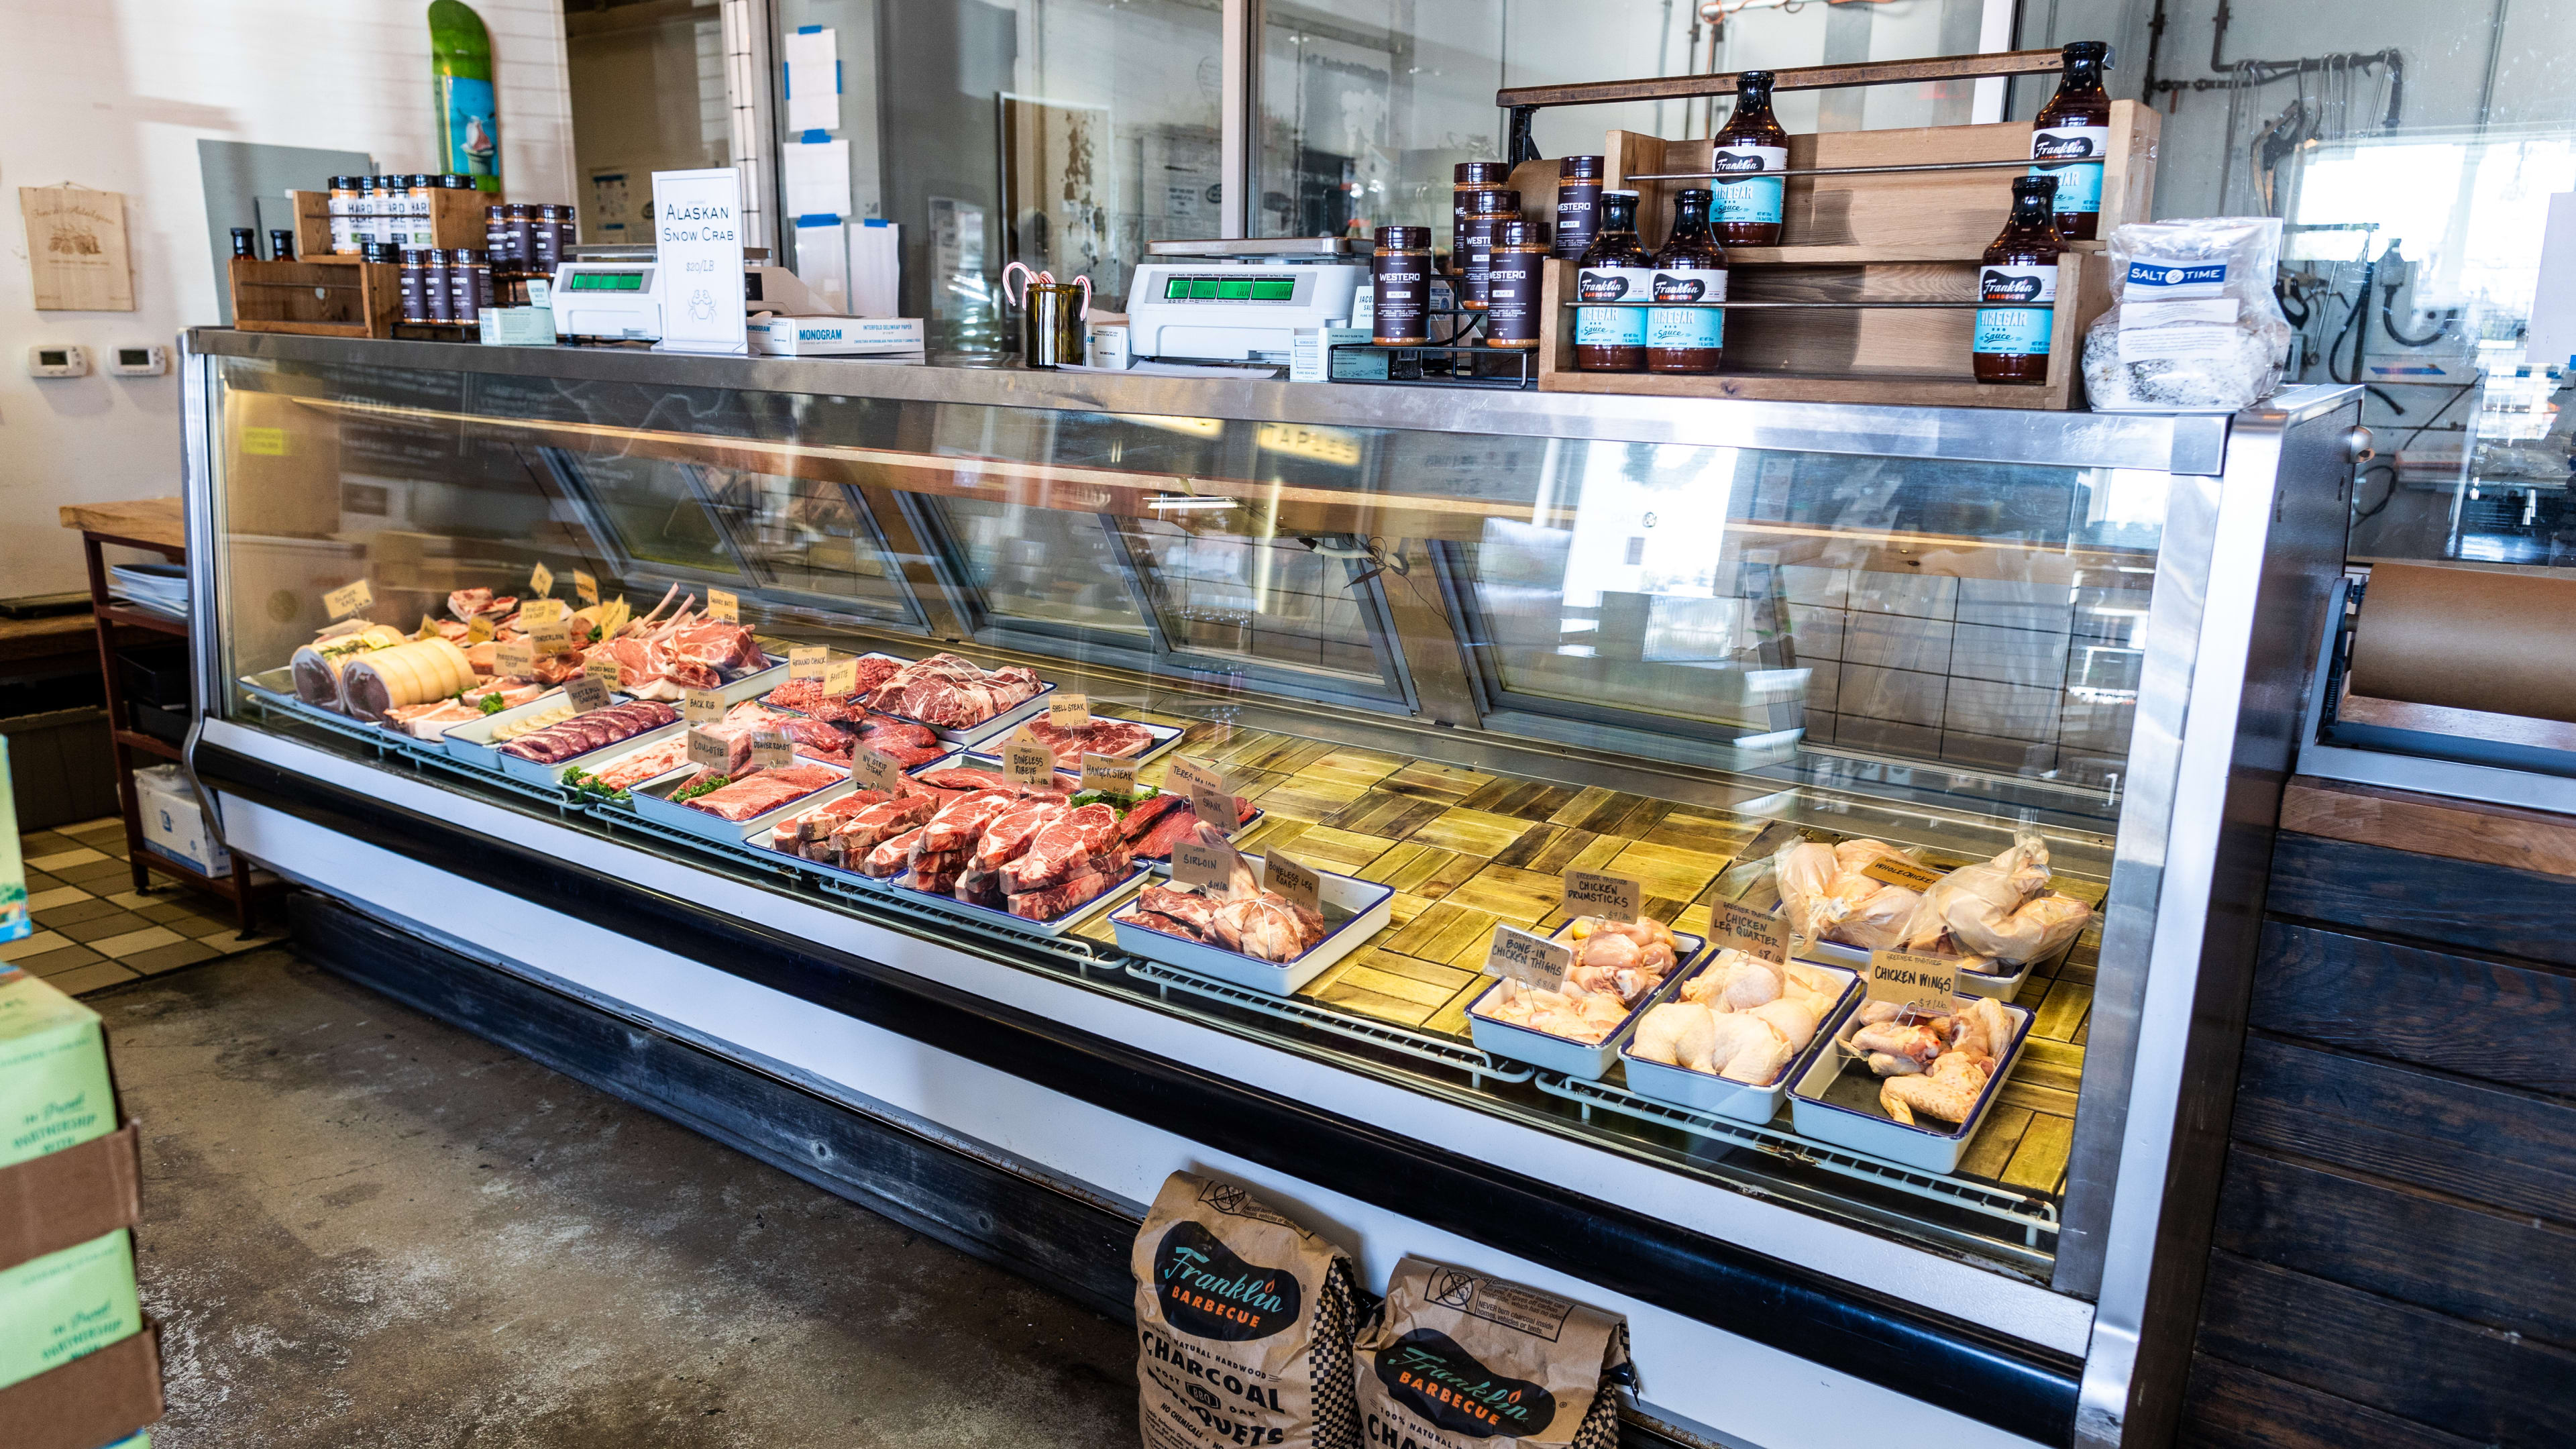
{"x": 2179, "y": 444}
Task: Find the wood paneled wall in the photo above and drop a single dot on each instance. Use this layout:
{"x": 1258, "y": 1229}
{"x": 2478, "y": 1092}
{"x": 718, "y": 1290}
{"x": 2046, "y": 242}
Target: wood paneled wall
{"x": 2394, "y": 1261}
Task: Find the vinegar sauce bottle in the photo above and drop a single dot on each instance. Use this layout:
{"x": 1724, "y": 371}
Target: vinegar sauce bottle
{"x": 2020, "y": 268}
{"x": 1615, "y": 268}
{"x": 2071, "y": 135}
{"x": 1690, "y": 268}
{"x": 1752, "y": 141}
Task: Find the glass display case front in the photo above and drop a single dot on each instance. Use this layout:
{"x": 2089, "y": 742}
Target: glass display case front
{"x": 1449, "y": 672}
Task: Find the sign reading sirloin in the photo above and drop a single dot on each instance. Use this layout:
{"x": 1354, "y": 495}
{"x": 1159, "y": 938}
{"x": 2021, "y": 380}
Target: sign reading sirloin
{"x": 697, "y": 221}
{"x": 1195, "y": 863}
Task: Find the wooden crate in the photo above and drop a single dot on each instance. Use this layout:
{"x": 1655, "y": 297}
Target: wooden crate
{"x": 455, "y": 220}
{"x": 1909, "y": 357}
{"x": 1898, "y": 216}
{"x": 322, "y": 299}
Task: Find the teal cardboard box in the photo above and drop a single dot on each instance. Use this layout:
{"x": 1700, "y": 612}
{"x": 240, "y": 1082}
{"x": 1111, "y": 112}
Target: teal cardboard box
{"x": 54, "y": 1091}
{"x": 63, "y": 1305}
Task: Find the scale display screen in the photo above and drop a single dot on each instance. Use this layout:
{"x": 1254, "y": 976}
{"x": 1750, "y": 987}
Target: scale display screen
{"x": 605, "y": 282}
{"x": 1230, "y": 288}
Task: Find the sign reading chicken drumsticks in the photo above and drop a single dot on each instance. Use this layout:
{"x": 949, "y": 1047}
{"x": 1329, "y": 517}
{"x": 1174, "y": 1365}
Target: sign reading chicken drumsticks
{"x": 1611, "y": 897}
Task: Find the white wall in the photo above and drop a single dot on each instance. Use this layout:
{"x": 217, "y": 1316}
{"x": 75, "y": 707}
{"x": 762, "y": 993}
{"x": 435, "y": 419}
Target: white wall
{"x": 114, "y": 95}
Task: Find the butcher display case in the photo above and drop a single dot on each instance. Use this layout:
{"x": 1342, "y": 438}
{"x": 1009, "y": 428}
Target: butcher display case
{"x": 1446, "y": 648}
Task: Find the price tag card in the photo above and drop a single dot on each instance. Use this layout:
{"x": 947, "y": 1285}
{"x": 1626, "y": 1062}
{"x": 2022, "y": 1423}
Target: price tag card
{"x": 1201, "y": 865}
{"x": 872, "y": 771}
{"x": 478, "y": 630}
{"x": 723, "y": 605}
{"x": 1911, "y": 978}
{"x": 840, "y": 676}
{"x": 1613, "y": 897}
{"x": 1741, "y": 928}
{"x": 551, "y": 636}
{"x": 537, "y": 611}
{"x": 1106, "y": 772}
{"x": 541, "y": 581}
{"x": 771, "y": 750}
{"x": 601, "y": 668}
{"x": 806, "y": 662}
{"x": 1209, "y": 799}
{"x": 709, "y": 752}
{"x": 1069, "y": 711}
{"x": 586, "y": 693}
{"x": 1528, "y": 958}
{"x": 1299, "y": 886}
{"x": 1900, "y": 872}
{"x": 340, "y": 603}
{"x": 702, "y": 706}
{"x": 1028, "y": 764}
{"x": 428, "y": 628}
{"x": 516, "y": 659}
{"x": 585, "y": 587}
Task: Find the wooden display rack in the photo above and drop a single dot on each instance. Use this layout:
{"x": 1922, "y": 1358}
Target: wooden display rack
{"x": 455, "y": 220}
{"x": 1873, "y": 299}
{"x": 321, "y": 299}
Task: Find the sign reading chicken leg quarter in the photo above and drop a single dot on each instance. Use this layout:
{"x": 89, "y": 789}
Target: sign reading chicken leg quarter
{"x": 1741, "y": 928}
{"x": 1911, "y": 978}
{"x": 1614, "y": 897}
{"x": 1292, "y": 882}
{"x": 1530, "y": 959}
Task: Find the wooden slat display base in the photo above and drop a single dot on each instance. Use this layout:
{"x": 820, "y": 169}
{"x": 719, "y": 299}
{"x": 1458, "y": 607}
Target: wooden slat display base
{"x": 455, "y": 220}
{"x": 321, "y": 299}
{"x": 1467, "y": 850}
{"x": 1907, "y": 357}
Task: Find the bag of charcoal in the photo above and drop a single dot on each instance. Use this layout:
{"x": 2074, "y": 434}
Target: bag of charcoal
{"x": 1456, "y": 1359}
{"x": 1244, "y": 1322}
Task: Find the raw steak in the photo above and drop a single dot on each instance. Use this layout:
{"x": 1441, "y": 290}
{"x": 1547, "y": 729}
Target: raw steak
{"x": 765, "y": 791}
{"x": 1052, "y": 901}
{"x": 1191, "y": 910}
{"x": 963, "y": 778}
{"x": 1011, "y": 831}
{"x": 956, "y": 826}
{"x": 1116, "y": 738}
{"x": 947, "y": 692}
{"x": 583, "y": 733}
{"x": 1142, "y": 817}
{"x": 650, "y": 763}
{"x": 1060, "y": 850}
{"x": 1158, "y": 841}
{"x": 889, "y": 859}
{"x": 881, "y": 822}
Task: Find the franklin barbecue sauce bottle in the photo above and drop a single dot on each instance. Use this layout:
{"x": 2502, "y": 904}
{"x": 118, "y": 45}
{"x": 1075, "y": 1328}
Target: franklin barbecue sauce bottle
{"x": 2020, "y": 268}
{"x": 1690, "y": 268}
{"x": 1748, "y": 210}
{"x": 1614, "y": 269}
{"x": 2069, "y": 138}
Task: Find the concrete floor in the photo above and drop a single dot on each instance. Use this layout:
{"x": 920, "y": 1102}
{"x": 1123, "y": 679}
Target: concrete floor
{"x": 364, "y": 1227}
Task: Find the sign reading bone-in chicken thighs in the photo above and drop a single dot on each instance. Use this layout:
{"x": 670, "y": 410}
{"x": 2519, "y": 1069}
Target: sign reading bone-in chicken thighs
{"x": 1530, "y": 959}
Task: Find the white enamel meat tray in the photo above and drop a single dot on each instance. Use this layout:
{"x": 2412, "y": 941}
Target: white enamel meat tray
{"x": 974, "y": 733}
{"x": 1549, "y": 1052}
{"x": 1723, "y": 1096}
{"x": 472, "y": 742}
{"x": 1836, "y": 1101}
{"x": 1364, "y": 908}
{"x": 653, "y": 803}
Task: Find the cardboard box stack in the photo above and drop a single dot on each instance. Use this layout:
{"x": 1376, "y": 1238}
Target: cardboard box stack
{"x": 80, "y": 1366}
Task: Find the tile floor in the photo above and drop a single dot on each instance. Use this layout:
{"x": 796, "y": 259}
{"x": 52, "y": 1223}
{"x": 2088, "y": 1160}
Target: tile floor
{"x": 93, "y": 929}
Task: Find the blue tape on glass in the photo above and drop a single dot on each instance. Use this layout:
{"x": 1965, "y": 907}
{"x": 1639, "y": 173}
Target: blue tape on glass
{"x": 809, "y": 30}
{"x": 814, "y": 137}
{"x": 818, "y": 218}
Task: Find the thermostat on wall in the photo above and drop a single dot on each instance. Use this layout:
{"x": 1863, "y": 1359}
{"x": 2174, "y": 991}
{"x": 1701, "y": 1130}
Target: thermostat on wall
{"x": 139, "y": 361}
{"x": 57, "y": 361}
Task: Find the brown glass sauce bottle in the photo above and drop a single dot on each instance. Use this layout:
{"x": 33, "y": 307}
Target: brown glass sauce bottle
{"x": 1614, "y": 268}
{"x": 2075, "y": 125}
{"x": 1691, "y": 267}
{"x": 1747, "y": 212}
{"x": 2011, "y": 343}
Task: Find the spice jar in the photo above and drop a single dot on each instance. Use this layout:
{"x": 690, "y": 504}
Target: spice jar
{"x": 437, "y": 285}
{"x": 1517, "y": 274}
{"x": 415, "y": 307}
{"x": 496, "y": 235}
{"x": 1486, "y": 211}
{"x": 344, "y": 208}
{"x": 1470, "y": 177}
{"x": 1400, "y": 287}
{"x": 1578, "y": 204}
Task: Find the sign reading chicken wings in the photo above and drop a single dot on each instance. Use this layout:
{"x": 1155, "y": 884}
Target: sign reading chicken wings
{"x": 1532, "y": 960}
{"x": 1911, "y": 978}
{"x": 1612, "y": 897}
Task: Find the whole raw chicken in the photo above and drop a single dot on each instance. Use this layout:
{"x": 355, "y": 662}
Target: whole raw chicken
{"x": 1827, "y": 898}
{"x": 2000, "y": 910}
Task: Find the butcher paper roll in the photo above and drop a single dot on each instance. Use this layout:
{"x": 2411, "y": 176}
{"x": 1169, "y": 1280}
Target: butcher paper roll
{"x": 2468, "y": 639}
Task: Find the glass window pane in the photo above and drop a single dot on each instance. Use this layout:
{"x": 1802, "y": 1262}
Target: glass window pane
{"x": 652, "y": 511}
{"x": 1271, "y": 601}
{"x": 1041, "y": 565}
{"x": 807, "y": 536}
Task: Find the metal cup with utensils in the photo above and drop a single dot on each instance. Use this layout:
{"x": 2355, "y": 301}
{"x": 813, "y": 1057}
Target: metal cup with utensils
{"x": 1051, "y": 316}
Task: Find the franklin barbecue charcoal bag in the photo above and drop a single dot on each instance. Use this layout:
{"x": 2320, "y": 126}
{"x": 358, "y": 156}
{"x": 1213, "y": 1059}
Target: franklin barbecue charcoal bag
{"x": 1459, "y": 1360}
{"x": 1244, "y": 1323}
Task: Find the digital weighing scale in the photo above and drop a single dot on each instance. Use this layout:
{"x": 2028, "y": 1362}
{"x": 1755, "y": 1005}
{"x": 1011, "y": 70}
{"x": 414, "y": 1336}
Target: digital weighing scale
{"x": 1241, "y": 301}
{"x": 614, "y": 293}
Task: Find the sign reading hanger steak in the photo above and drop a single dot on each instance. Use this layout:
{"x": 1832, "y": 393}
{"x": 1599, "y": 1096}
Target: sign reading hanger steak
{"x": 1244, "y": 1322}
{"x": 1459, "y": 1359}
